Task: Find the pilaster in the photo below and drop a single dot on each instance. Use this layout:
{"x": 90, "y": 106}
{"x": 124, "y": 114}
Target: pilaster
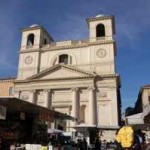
{"x": 75, "y": 103}
{"x": 47, "y": 100}
{"x": 17, "y": 94}
{"x": 92, "y": 106}
{"x": 32, "y": 97}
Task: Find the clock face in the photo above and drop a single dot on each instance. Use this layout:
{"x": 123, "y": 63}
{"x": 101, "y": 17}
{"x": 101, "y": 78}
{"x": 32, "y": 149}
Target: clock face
{"x": 28, "y": 60}
{"x": 101, "y": 53}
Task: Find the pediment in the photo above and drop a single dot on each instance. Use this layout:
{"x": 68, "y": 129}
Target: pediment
{"x": 60, "y": 72}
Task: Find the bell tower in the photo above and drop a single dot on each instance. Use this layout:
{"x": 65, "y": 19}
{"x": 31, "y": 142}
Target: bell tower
{"x": 103, "y": 51}
{"x": 101, "y": 27}
{"x": 33, "y": 38}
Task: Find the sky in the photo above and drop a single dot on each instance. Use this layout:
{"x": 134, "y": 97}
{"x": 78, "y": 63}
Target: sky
{"x": 66, "y": 19}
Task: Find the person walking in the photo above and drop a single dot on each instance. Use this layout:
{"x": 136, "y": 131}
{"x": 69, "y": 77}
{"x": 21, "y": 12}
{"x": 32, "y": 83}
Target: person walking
{"x": 84, "y": 144}
{"x": 139, "y": 140}
{"x": 97, "y": 144}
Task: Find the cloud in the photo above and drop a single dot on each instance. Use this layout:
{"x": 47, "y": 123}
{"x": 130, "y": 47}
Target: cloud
{"x": 5, "y": 63}
{"x": 133, "y": 23}
{"x": 73, "y": 27}
{"x": 8, "y": 36}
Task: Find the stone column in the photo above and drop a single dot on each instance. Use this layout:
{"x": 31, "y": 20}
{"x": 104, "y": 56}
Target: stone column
{"x": 75, "y": 103}
{"x": 32, "y": 98}
{"x": 68, "y": 122}
{"x": 47, "y": 99}
{"x": 92, "y": 106}
{"x": 17, "y": 94}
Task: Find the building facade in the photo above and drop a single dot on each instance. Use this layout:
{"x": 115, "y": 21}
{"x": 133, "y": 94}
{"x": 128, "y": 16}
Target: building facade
{"x": 142, "y": 104}
{"x": 7, "y": 87}
{"x": 76, "y": 77}
{"x": 139, "y": 116}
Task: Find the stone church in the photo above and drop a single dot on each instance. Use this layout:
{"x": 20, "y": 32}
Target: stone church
{"x": 75, "y": 77}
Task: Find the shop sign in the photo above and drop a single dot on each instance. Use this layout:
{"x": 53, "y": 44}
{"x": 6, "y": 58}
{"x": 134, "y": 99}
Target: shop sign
{"x": 2, "y": 112}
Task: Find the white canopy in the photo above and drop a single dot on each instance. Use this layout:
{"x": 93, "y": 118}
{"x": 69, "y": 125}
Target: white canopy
{"x": 49, "y": 130}
{"x": 135, "y": 119}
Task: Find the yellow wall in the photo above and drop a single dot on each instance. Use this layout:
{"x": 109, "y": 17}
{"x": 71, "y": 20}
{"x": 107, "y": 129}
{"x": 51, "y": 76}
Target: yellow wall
{"x": 5, "y": 85}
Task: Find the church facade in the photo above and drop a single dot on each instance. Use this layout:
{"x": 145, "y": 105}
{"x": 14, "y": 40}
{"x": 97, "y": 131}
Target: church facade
{"x": 75, "y": 77}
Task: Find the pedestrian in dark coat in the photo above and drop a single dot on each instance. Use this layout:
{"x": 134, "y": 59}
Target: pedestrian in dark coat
{"x": 97, "y": 144}
{"x": 84, "y": 144}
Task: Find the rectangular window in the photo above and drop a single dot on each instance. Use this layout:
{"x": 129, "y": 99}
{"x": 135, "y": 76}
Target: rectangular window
{"x": 11, "y": 90}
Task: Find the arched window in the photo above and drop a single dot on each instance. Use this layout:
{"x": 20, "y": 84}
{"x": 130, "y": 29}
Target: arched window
{"x": 63, "y": 59}
{"x": 100, "y": 30}
{"x": 30, "y": 40}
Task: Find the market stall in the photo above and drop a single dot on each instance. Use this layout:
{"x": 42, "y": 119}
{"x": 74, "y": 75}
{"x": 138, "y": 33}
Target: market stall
{"x": 24, "y": 122}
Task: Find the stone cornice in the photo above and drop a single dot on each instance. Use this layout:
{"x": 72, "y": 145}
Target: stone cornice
{"x": 54, "y": 79}
{"x": 57, "y": 105}
{"x": 78, "y": 45}
{"x": 11, "y": 80}
{"x": 100, "y": 18}
{"x": 109, "y": 75}
{"x": 35, "y": 28}
{"x": 146, "y": 86}
{"x": 46, "y": 71}
{"x": 32, "y": 28}
{"x": 30, "y": 50}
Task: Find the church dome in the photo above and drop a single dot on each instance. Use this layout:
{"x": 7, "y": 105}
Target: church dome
{"x": 34, "y": 25}
{"x": 100, "y": 15}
